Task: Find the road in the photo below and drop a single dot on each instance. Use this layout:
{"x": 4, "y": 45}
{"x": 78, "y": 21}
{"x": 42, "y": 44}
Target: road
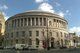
{"x": 42, "y": 51}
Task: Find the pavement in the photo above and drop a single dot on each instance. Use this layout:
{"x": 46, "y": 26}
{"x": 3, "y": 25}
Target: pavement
{"x": 73, "y": 50}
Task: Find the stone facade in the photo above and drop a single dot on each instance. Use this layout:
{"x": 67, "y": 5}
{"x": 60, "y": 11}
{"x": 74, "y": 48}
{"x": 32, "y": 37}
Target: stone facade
{"x": 34, "y": 28}
{"x": 2, "y": 23}
{"x": 73, "y": 40}
{"x": 2, "y": 27}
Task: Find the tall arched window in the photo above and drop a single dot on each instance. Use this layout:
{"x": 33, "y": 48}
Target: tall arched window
{"x": 37, "y": 41}
{"x": 50, "y": 23}
{"x": 30, "y": 42}
{"x": 62, "y": 42}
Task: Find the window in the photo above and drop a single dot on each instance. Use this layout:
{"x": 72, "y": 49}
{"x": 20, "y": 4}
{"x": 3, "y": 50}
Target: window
{"x": 23, "y": 41}
{"x": 44, "y": 21}
{"x": 30, "y": 42}
{"x": 11, "y": 42}
{"x": 50, "y": 23}
{"x": 40, "y": 21}
{"x": 15, "y": 23}
{"x": 32, "y": 21}
{"x": 54, "y": 20}
{"x": 37, "y": 41}
{"x": 61, "y": 34}
{"x": 57, "y": 34}
{"x": 37, "y": 33}
{"x": 8, "y": 35}
{"x": 36, "y": 21}
{"x": 50, "y": 33}
{"x": 30, "y": 33}
{"x": 16, "y": 41}
{"x": 12, "y": 23}
{"x": 29, "y": 22}
{"x": 11, "y": 35}
{"x": 61, "y": 42}
{"x": 23, "y": 33}
{"x": 17, "y": 34}
{"x": 65, "y": 35}
{"x": 43, "y": 34}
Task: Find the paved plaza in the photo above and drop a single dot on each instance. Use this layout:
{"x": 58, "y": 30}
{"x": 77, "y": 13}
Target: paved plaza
{"x": 42, "y": 51}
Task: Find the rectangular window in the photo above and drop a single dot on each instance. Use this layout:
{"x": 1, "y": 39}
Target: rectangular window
{"x": 11, "y": 35}
{"x": 54, "y": 20}
{"x": 23, "y": 33}
{"x": 16, "y": 41}
{"x": 30, "y": 42}
{"x": 50, "y": 33}
{"x": 57, "y": 34}
{"x": 30, "y": 33}
{"x": 12, "y": 23}
{"x": 17, "y": 34}
{"x": 32, "y": 21}
{"x": 37, "y": 33}
{"x": 11, "y": 42}
{"x": 61, "y": 34}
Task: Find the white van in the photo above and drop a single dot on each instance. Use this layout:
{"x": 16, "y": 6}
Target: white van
{"x": 19, "y": 46}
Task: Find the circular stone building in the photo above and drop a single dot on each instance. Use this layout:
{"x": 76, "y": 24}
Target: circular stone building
{"x": 36, "y": 29}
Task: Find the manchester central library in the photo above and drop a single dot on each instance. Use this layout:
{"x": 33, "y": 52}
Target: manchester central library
{"x": 36, "y": 29}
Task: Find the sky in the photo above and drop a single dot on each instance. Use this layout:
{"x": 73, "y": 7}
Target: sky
{"x": 69, "y": 9}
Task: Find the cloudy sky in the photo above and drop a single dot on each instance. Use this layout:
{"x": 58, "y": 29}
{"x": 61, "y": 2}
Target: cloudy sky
{"x": 70, "y": 9}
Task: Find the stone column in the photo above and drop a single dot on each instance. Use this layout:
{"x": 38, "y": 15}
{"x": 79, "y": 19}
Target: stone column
{"x": 59, "y": 23}
{"x": 23, "y": 22}
{"x": 34, "y": 21}
{"x": 42, "y": 22}
{"x": 31, "y": 21}
{"x": 20, "y": 22}
{"x": 56, "y": 23}
{"x": 39, "y": 21}
{"x": 27, "y": 22}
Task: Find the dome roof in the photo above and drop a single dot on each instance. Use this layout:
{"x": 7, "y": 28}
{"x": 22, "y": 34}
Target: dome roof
{"x": 36, "y": 12}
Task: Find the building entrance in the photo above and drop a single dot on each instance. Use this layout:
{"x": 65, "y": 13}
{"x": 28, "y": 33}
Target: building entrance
{"x": 52, "y": 42}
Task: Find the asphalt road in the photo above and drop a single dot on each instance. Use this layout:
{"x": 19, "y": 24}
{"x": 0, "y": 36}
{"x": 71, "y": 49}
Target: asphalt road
{"x": 42, "y": 51}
